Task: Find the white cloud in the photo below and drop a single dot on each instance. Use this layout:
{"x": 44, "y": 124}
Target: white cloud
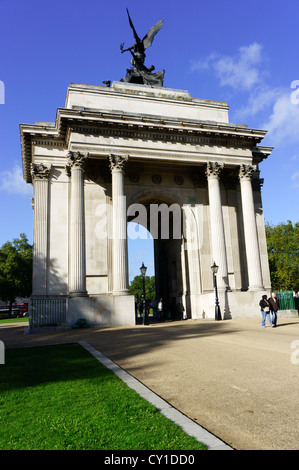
{"x": 283, "y": 123}
{"x": 260, "y": 99}
{"x": 12, "y": 182}
{"x": 239, "y": 72}
{"x": 277, "y": 109}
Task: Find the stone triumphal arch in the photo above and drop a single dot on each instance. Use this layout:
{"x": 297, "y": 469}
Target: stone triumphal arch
{"x": 163, "y": 159}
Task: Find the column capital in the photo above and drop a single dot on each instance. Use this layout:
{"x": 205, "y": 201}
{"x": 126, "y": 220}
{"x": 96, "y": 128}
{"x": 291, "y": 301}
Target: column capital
{"x": 40, "y": 171}
{"x": 77, "y": 160}
{"x": 213, "y": 170}
{"x": 246, "y": 172}
{"x": 117, "y": 162}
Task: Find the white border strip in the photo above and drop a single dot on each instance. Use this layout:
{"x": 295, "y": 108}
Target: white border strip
{"x": 188, "y": 425}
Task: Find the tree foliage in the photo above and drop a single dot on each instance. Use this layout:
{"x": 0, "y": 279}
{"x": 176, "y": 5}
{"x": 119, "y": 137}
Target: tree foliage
{"x": 136, "y": 287}
{"x": 15, "y": 269}
{"x": 283, "y": 253}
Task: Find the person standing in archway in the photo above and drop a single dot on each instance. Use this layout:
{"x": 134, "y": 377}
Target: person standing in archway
{"x": 160, "y": 310}
{"x": 180, "y": 310}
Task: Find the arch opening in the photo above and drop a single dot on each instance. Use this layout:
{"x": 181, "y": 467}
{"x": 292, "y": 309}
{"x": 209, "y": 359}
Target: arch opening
{"x": 155, "y": 237}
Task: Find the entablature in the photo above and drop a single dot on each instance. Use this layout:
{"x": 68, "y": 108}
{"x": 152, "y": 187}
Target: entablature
{"x": 135, "y": 126}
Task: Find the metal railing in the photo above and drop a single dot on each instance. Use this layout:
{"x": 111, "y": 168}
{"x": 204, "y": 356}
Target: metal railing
{"x": 286, "y": 300}
{"x": 48, "y": 312}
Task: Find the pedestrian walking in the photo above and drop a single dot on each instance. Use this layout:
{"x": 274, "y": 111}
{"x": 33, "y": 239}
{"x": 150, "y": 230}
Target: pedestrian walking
{"x": 274, "y": 307}
{"x": 265, "y": 309}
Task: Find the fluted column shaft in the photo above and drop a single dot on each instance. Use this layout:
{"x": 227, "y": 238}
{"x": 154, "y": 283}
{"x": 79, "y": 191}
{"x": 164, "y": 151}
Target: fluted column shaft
{"x": 255, "y": 277}
{"x": 217, "y": 225}
{"x": 40, "y": 175}
{"x": 119, "y": 223}
{"x": 77, "y": 276}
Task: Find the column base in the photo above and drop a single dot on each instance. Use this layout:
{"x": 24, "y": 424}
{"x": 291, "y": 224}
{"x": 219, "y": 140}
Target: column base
{"x": 234, "y": 304}
{"x": 121, "y": 292}
{"x": 102, "y": 309}
{"x": 78, "y": 294}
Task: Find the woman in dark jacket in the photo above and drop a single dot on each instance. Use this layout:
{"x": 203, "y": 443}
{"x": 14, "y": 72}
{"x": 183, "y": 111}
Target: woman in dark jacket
{"x": 265, "y": 309}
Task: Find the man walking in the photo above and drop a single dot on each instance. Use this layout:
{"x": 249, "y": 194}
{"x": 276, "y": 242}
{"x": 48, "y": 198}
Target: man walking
{"x": 274, "y": 306}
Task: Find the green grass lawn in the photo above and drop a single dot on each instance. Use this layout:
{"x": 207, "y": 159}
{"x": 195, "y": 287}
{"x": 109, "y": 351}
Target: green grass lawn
{"x": 62, "y": 398}
{"x": 14, "y": 320}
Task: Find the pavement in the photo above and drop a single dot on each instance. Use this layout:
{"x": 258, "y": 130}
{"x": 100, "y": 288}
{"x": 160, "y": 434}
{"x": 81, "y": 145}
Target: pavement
{"x": 232, "y": 383}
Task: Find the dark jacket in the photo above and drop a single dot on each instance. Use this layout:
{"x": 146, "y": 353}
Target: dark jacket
{"x": 263, "y": 304}
{"x": 273, "y": 305}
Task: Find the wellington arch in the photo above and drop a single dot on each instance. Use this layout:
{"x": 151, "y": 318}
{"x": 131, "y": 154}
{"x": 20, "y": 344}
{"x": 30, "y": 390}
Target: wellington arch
{"x": 115, "y": 148}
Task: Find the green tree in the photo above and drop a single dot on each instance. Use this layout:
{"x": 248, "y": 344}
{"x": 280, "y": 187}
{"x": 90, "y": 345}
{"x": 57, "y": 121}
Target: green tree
{"x": 15, "y": 269}
{"x": 136, "y": 287}
{"x": 283, "y": 253}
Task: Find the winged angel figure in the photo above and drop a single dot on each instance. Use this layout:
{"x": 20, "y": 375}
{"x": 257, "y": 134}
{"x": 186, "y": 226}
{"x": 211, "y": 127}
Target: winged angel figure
{"x": 140, "y": 73}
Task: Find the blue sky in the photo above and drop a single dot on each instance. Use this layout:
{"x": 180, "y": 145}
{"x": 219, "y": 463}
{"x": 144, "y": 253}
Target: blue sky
{"x": 243, "y": 53}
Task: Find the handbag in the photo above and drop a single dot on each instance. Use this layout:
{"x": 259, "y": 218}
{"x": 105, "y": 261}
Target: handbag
{"x": 267, "y": 309}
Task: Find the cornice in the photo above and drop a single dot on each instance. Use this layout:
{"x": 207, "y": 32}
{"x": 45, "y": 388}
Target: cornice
{"x": 91, "y": 118}
{"x": 135, "y": 126}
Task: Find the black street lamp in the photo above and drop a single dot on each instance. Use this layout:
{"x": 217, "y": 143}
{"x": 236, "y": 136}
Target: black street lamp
{"x": 143, "y": 273}
{"x": 217, "y": 306}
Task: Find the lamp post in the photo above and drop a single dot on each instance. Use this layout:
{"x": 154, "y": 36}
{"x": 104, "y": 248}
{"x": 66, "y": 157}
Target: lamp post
{"x": 143, "y": 273}
{"x": 217, "y": 307}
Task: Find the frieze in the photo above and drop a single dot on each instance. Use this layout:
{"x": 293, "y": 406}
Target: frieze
{"x": 133, "y": 177}
{"x": 93, "y": 173}
{"x": 199, "y": 180}
{"x": 178, "y": 179}
{"x": 98, "y": 175}
{"x": 157, "y": 179}
{"x": 172, "y": 135}
{"x": 102, "y": 151}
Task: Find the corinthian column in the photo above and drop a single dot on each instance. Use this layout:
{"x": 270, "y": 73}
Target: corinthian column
{"x": 217, "y": 226}
{"x": 77, "y": 276}
{"x": 250, "y": 230}
{"x": 40, "y": 176}
{"x": 119, "y": 222}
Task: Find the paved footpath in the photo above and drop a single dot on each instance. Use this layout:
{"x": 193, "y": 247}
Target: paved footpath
{"x": 234, "y": 378}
